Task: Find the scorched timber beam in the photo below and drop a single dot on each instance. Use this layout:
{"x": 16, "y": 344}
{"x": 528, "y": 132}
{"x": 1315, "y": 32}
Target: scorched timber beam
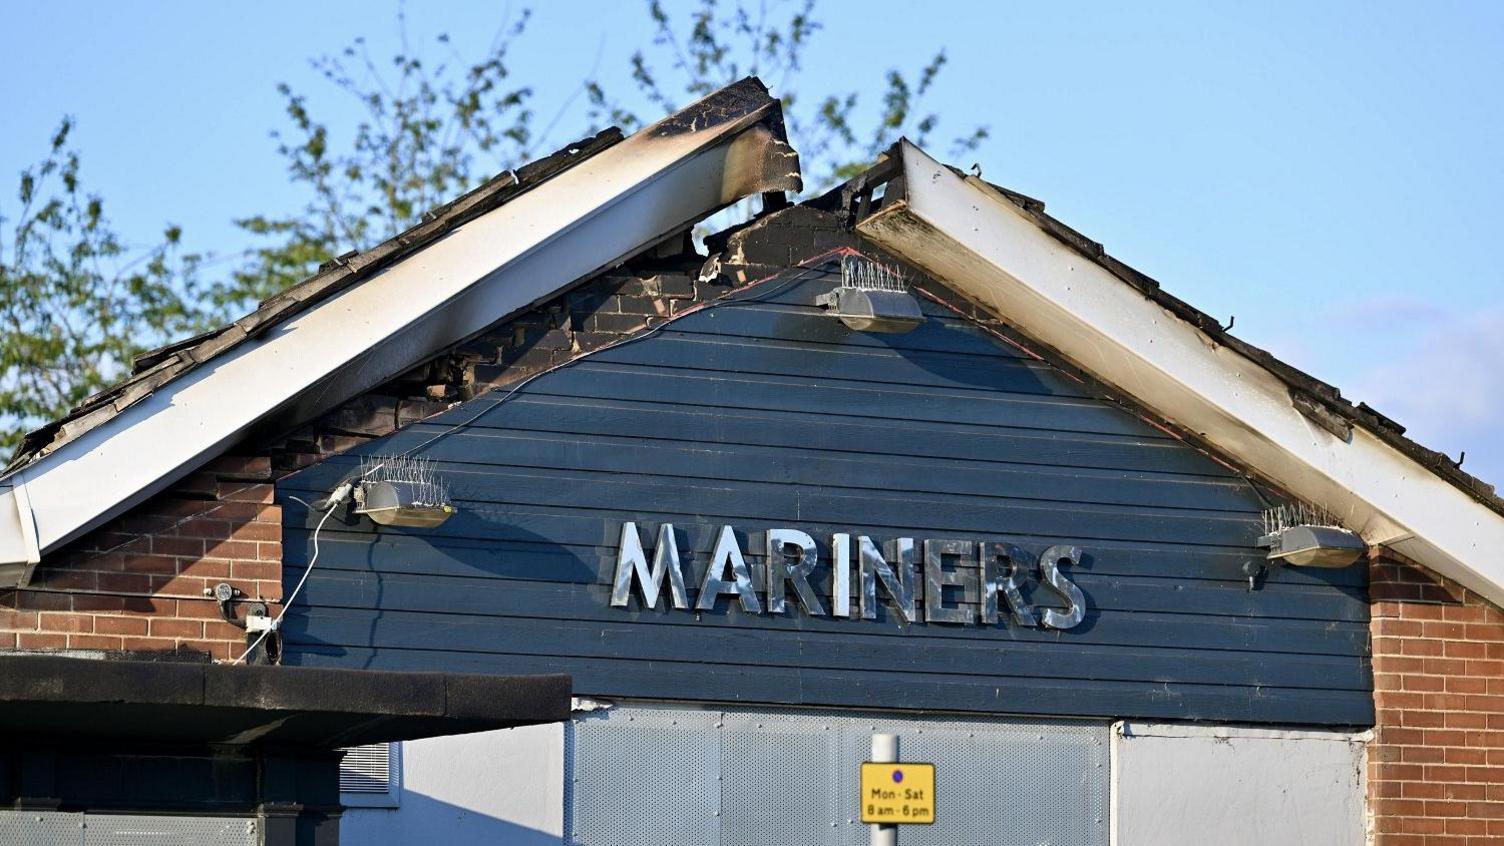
{"x": 591, "y": 216}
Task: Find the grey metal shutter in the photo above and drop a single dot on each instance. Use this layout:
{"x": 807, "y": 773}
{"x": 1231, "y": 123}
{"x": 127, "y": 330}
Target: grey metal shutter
{"x": 649, "y": 776}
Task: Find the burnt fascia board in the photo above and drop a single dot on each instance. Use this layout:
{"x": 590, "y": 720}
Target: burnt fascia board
{"x": 980, "y": 242}
{"x": 178, "y": 358}
{"x": 591, "y": 216}
{"x": 736, "y": 170}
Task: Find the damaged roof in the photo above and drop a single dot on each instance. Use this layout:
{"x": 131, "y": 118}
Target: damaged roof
{"x": 365, "y": 317}
{"x": 744, "y": 125}
{"x": 155, "y": 368}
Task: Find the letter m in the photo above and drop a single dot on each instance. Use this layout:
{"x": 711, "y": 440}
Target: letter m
{"x": 632, "y": 563}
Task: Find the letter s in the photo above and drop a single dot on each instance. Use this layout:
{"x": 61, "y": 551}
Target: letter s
{"x": 1057, "y": 582}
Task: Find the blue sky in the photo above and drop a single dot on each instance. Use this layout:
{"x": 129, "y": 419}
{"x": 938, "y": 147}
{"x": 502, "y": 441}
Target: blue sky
{"x": 1328, "y": 173}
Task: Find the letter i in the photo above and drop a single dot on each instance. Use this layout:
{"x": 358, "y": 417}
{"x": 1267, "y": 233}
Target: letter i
{"x": 840, "y": 575}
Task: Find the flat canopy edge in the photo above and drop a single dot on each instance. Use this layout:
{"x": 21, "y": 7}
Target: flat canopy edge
{"x": 235, "y": 705}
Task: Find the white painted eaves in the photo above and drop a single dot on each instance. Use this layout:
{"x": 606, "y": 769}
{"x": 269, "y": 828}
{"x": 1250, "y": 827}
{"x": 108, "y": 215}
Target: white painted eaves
{"x": 965, "y": 233}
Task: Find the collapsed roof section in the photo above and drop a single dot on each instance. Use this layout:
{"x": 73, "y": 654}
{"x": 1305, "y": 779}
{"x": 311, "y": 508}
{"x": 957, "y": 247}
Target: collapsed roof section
{"x": 516, "y": 240}
{"x": 1066, "y": 294}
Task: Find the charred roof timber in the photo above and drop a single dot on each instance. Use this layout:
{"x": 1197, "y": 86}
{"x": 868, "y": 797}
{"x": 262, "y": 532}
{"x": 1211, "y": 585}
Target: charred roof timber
{"x": 518, "y": 239}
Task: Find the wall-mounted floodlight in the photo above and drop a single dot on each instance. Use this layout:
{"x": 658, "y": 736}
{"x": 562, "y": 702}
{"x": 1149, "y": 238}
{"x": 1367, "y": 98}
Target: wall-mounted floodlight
{"x": 1297, "y": 535}
{"x": 402, "y": 492}
{"x": 872, "y": 298}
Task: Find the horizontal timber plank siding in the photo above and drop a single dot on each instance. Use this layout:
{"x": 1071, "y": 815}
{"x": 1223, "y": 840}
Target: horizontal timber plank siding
{"x": 770, "y": 414}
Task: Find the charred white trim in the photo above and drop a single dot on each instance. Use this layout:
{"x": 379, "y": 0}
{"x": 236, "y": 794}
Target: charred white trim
{"x": 962, "y": 231}
{"x": 19, "y": 553}
{"x": 587, "y": 218}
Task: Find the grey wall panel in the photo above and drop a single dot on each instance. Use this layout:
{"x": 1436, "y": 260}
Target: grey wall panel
{"x": 772, "y": 415}
{"x": 752, "y": 777}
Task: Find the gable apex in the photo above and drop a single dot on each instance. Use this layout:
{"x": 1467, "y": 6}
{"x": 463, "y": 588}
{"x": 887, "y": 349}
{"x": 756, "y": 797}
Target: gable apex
{"x": 1002, "y": 251}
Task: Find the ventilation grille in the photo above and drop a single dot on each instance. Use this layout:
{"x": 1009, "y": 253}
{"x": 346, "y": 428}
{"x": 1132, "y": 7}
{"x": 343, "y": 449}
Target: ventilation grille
{"x": 366, "y": 769}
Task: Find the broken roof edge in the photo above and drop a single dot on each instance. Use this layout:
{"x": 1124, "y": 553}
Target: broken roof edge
{"x": 741, "y": 102}
{"x": 943, "y": 224}
{"x": 154, "y": 368}
{"x": 480, "y": 263}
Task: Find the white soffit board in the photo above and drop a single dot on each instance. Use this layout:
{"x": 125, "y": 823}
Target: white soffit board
{"x": 598, "y": 212}
{"x": 962, "y": 231}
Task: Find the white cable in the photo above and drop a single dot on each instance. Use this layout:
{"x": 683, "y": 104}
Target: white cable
{"x": 340, "y": 495}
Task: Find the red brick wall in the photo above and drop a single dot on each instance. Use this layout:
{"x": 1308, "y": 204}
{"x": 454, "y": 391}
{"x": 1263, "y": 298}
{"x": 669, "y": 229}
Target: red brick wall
{"x": 1436, "y": 764}
{"x": 138, "y": 583}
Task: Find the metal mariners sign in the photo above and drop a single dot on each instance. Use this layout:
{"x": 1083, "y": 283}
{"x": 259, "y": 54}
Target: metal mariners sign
{"x": 995, "y": 573}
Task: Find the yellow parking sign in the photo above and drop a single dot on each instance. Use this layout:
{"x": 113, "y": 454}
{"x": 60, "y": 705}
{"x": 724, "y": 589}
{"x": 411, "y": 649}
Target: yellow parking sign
{"x": 898, "y": 793}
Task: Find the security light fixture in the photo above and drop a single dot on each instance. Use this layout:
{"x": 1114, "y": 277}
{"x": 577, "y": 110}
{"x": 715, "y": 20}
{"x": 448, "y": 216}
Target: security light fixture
{"x": 1306, "y": 537}
{"x": 872, "y": 298}
{"x": 402, "y": 492}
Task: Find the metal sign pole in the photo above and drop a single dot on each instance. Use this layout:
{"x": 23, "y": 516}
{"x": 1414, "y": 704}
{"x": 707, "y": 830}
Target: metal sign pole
{"x": 884, "y": 750}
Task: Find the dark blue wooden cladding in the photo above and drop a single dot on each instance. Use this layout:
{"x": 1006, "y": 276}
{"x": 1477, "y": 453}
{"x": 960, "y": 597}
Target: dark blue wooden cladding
{"x": 773, "y": 415}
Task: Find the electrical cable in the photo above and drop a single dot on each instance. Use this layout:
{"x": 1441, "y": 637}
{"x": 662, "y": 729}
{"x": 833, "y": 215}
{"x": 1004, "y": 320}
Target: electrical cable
{"x": 343, "y": 492}
{"x": 339, "y": 496}
{"x": 716, "y": 303}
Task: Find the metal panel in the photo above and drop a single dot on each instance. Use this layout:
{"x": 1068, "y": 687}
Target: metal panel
{"x": 50, "y": 828}
{"x": 778, "y": 779}
{"x": 1193, "y": 784}
{"x": 135, "y": 830}
{"x": 41, "y": 828}
{"x": 646, "y": 777}
{"x": 790, "y": 777}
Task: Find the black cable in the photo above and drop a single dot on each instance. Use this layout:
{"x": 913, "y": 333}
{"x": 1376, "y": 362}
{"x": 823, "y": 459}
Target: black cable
{"x": 708, "y": 305}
